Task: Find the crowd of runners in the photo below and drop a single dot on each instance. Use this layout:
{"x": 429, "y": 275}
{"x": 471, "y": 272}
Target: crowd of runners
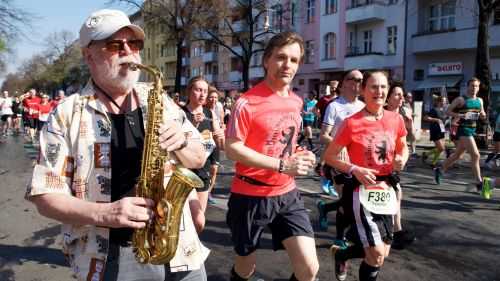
{"x": 25, "y": 114}
{"x": 367, "y": 135}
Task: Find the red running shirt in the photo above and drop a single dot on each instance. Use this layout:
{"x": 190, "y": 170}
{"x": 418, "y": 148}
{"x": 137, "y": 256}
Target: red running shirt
{"x": 31, "y": 104}
{"x": 371, "y": 144}
{"x": 268, "y": 124}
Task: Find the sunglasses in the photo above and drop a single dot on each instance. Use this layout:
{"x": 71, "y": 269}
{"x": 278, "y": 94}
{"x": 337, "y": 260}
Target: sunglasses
{"x": 357, "y": 80}
{"x": 119, "y": 45}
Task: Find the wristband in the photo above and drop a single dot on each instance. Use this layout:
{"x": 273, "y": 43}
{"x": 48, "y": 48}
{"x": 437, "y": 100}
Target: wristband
{"x": 281, "y": 167}
{"x": 351, "y": 169}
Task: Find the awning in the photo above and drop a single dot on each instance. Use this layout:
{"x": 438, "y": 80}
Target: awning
{"x": 438, "y": 82}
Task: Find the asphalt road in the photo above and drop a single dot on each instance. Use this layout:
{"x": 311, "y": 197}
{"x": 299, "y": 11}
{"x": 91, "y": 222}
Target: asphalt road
{"x": 457, "y": 231}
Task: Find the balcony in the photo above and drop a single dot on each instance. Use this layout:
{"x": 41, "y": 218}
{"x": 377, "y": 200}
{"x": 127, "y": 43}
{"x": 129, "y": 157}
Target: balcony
{"x": 449, "y": 40}
{"x": 237, "y": 49}
{"x": 354, "y": 58}
{"x": 209, "y": 56}
{"x": 365, "y": 12}
{"x": 238, "y": 26}
{"x": 211, "y": 78}
{"x": 256, "y": 72}
{"x": 235, "y": 76}
{"x": 185, "y": 61}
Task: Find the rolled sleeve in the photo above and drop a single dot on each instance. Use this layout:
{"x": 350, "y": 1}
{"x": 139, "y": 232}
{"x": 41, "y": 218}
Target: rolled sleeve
{"x": 54, "y": 170}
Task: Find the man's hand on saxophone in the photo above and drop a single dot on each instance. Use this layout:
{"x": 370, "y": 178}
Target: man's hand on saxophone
{"x": 134, "y": 212}
{"x": 171, "y": 137}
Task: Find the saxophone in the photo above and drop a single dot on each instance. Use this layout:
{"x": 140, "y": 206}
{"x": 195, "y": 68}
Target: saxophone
{"x": 157, "y": 242}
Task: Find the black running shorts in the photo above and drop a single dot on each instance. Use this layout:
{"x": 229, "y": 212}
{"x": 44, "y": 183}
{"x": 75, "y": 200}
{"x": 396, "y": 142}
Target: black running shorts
{"x": 248, "y": 216}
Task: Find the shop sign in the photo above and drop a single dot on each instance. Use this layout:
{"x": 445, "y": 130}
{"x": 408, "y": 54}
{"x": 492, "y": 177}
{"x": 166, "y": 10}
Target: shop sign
{"x": 445, "y": 68}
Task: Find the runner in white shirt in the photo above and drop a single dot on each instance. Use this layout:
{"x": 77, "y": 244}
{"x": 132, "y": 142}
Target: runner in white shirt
{"x": 6, "y": 112}
{"x": 337, "y": 111}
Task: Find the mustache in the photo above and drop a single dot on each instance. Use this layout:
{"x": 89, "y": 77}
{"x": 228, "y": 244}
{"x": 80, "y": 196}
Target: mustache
{"x": 127, "y": 60}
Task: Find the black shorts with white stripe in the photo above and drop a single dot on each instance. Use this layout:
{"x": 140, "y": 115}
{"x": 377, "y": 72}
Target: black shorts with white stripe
{"x": 368, "y": 229}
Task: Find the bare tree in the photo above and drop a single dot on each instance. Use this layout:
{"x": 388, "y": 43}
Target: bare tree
{"x": 242, "y": 27}
{"x": 483, "y": 70}
{"x": 13, "y": 21}
{"x": 178, "y": 18}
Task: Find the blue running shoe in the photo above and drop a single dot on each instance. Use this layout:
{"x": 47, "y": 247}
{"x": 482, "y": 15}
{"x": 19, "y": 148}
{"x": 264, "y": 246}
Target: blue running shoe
{"x": 437, "y": 175}
{"x": 332, "y": 191}
{"x": 322, "y": 215}
{"x": 325, "y": 185}
{"x": 341, "y": 243}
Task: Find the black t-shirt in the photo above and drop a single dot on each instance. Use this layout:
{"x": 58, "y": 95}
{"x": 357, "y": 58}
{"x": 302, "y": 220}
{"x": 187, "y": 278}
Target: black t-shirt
{"x": 203, "y": 126}
{"x": 127, "y": 141}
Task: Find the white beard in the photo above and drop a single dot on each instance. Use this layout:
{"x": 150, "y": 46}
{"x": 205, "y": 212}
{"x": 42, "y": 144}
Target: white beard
{"x": 114, "y": 78}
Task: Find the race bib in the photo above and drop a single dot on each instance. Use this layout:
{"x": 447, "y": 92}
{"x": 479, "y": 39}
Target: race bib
{"x": 379, "y": 198}
{"x": 471, "y": 116}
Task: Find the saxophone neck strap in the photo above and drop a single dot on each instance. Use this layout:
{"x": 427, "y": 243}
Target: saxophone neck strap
{"x": 120, "y": 107}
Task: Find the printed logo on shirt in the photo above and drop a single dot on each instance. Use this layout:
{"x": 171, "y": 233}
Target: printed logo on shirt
{"x": 52, "y": 152}
{"x": 53, "y": 181}
{"x": 96, "y": 271}
{"x": 102, "y": 155}
{"x": 105, "y": 184}
{"x": 79, "y": 187}
{"x": 280, "y": 143}
{"x": 104, "y": 128}
{"x": 102, "y": 244}
{"x": 84, "y": 130}
{"x": 378, "y": 150}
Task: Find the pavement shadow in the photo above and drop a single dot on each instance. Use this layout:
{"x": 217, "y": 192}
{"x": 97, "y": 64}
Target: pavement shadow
{"x": 18, "y": 255}
{"x": 465, "y": 204}
{"x": 47, "y": 235}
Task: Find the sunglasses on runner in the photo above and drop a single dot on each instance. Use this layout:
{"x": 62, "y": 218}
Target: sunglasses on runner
{"x": 357, "y": 80}
{"x": 119, "y": 45}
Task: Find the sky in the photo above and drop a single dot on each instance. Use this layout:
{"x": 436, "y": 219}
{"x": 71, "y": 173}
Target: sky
{"x": 54, "y": 16}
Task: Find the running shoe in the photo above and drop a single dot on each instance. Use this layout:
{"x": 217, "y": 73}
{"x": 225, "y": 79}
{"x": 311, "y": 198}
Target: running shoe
{"x": 341, "y": 243}
{"x": 332, "y": 191}
{"x": 341, "y": 267}
{"x": 322, "y": 215}
{"x": 211, "y": 200}
{"x": 437, "y": 175}
{"x": 479, "y": 187}
{"x": 325, "y": 185}
{"x": 424, "y": 157}
{"x": 486, "y": 190}
{"x": 402, "y": 239}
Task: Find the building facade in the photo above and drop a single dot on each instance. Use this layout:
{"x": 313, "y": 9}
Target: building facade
{"x": 441, "y": 48}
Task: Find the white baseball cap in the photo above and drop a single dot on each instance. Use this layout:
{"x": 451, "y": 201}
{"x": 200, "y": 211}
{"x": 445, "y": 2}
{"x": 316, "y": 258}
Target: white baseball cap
{"x": 103, "y": 24}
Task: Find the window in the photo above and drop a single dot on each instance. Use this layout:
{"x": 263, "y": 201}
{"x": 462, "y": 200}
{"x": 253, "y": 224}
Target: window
{"x": 442, "y": 16}
{"x": 367, "y": 39}
{"x": 330, "y": 6}
{"x": 392, "y": 2}
{"x": 309, "y": 51}
{"x": 256, "y": 59}
{"x": 330, "y": 42}
{"x": 310, "y": 11}
{"x": 418, "y": 75}
{"x": 392, "y": 38}
{"x": 163, "y": 50}
{"x": 276, "y": 17}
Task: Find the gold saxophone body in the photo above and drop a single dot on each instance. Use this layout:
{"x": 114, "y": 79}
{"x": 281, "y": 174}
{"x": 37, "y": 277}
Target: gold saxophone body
{"x": 157, "y": 242}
